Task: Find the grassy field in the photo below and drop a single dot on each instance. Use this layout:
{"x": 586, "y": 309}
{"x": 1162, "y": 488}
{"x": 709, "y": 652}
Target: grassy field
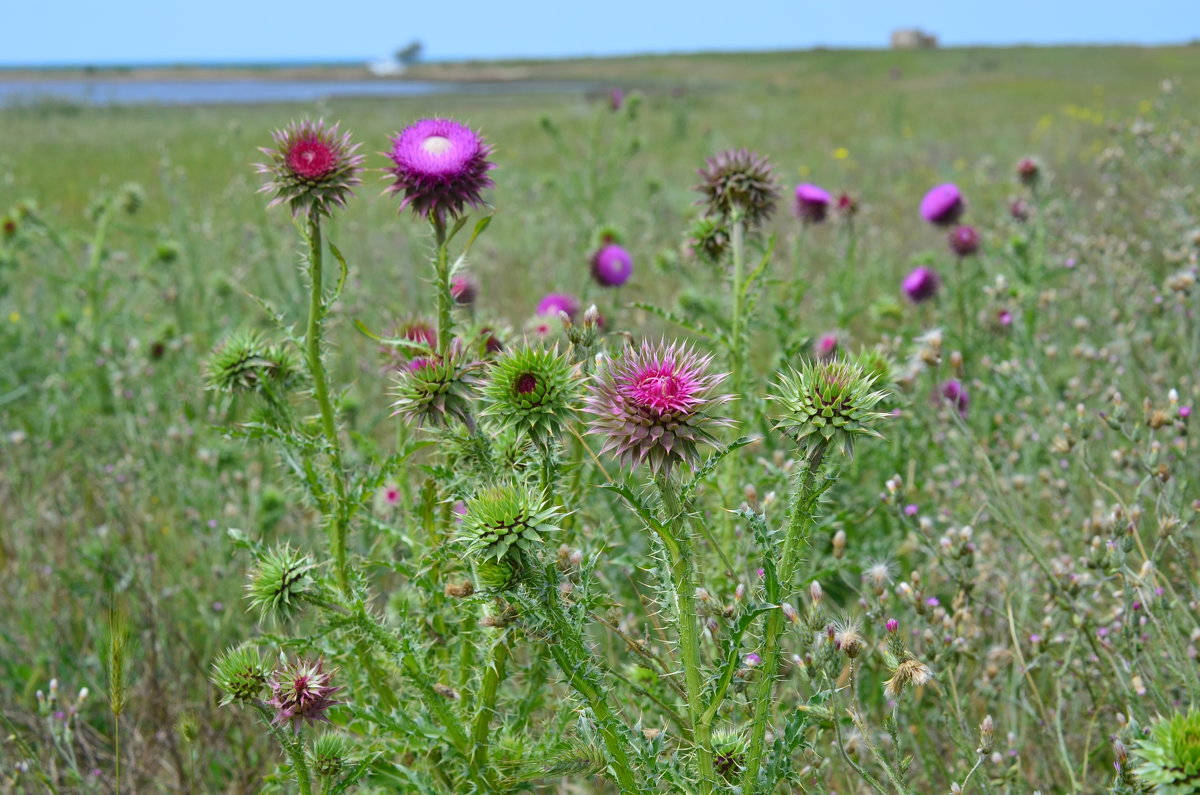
{"x": 117, "y": 484}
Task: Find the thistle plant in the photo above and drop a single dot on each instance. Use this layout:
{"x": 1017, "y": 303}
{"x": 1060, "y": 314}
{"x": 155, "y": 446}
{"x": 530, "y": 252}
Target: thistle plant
{"x": 1168, "y": 760}
{"x": 504, "y": 527}
{"x": 533, "y": 391}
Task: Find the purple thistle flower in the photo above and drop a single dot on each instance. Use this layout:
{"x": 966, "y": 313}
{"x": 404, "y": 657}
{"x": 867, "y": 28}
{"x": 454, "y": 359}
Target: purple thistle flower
{"x": 954, "y": 393}
{"x": 464, "y": 289}
{"x": 554, "y": 303}
{"x": 812, "y": 203}
{"x": 964, "y": 241}
{"x": 1028, "y": 171}
{"x": 921, "y": 284}
{"x": 892, "y": 625}
{"x": 1019, "y": 210}
{"x": 616, "y": 99}
{"x": 441, "y": 166}
{"x": 302, "y": 693}
{"x": 612, "y": 266}
{"x": 826, "y": 347}
{"x": 943, "y": 205}
{"x": 654, "y": 405}
{"x": 311, "y": 169}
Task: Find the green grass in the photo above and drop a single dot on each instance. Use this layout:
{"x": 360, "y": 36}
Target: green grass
{"x": 132, "y": 502}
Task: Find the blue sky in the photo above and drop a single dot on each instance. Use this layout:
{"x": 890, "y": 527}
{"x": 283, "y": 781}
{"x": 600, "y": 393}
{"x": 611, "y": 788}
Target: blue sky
{"x": 157, "y": 31}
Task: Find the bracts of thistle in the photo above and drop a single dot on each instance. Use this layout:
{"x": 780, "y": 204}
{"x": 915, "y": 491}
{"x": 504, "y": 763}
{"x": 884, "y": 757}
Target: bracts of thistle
{"x": 312, "y": 169}
{"x": 657, "y": 405}
{"x": 823, "y": 406}
{"x": 440, "y": 169}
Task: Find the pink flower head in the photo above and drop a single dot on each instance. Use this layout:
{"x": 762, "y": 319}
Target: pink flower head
{"x": 955, "y": 394}
{"x": 311, "y": 169}
{"x": 554, "y": 303}
{"x": 826, "y": 346}
{"x": 812, "y": 203}
{"x": 441, "y": 166}
{"x": 612, "y": 266}
{"x": 301, "y": 693}
{"x": 464, "y": 289}
{"x": 616, "y": 99}
{"x": 1019, "y": 210}
{"x": 847, "y": 205}
{"x": 654, "y": 405}
{"x": 964, "y": 241}
{"x": 943, "y": 205}
{"x": 921, "y": 284}
{"x": 1028, "y": 171}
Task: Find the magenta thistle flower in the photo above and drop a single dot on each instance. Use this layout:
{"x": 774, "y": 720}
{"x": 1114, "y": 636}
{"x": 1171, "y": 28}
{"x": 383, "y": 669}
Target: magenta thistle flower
{"x": 612, "y": 266}
{"x": 1028, "y": 171}
{"x": 655, "y": 405}
{"x": 921, "y": 284}
{"x": 964, "y": 241}
{"x": 302, "y": 693}
{"x": 1019, "y": 210}
{"x": 943, "y": 205}
{"x": 826, "y": 346}
{"x": 440, "y": 167}
{"x": 847, "y": 205}
{"x": 955, "y": 394}
{"x": 554, "y": 303}
{"x": 464, "y": 289}
{"x": 616, "y": 99}
{"x": 812, "y": 203}
{"x": 311, "y": 169}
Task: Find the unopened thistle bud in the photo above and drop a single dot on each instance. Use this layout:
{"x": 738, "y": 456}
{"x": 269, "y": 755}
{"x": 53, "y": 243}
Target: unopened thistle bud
{"x": 503, "y": 529}
{"x": 839, "y": 544}
{"x": 729, "y": 753}
{"x": 240, "y": 674}
{"x": 1169, "y": 759}
{"x": 790, "y": 613}
{"x": 815, "y": 592}
{"x": 435, "y": 388}
{"x": 311, "y": 169}
{"x": 245, "y": 362}
{"x": 280, "y": 581}
{"x": 827, "y": 404}
{"x": 330, "y": 752}
{"x": 533, "y": 391}
{"x": 986, "y": 731}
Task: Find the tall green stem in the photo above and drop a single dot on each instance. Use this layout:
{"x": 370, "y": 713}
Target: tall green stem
{"x": 572, "y": 657}
{"x": 493, "y": 674}
{"x": 316, "y": 366}
{"x": 444, "y": 299}
{"x": 294, "y": 750}
{"x": 779, "y": 591}
{"x": 683, "y": 583}
{"x": 738, "y": 350}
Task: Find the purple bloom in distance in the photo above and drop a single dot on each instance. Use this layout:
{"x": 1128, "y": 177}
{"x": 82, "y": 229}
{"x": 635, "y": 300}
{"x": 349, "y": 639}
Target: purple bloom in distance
{"x": 921, "y": 284}
{"x": 440, "y": 167}
{"x": 812, "y": 203}
{"x": 943, "y": 205}
{"x": 612, "y": 266}
{"x": 964, "y": 241}
{"x": 954, "y": 393}
{"x": 554, "y": 303}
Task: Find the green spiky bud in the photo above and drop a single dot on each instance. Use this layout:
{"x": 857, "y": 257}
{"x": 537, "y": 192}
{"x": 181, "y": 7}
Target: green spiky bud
{"x": 729, "y": 752}
{"x": 240, "y": 674}
{"x": 1170, "y": 757}
{"x": 708, "y": 238}
{"x": 876, "y": 363}
{"x": 498, "y": 575}
{"x": 534, "y": 391}
{"x": 280, "y": 582}
{"x": 507, "y": 523}
{"x": 130, "y": 198}
{"x": 330, "y": 753}
{"x": 827, "y": 404}
{"x": 245, "y": 362}
{"x": 435, "y": 388}
{"x": 187, "y": 726}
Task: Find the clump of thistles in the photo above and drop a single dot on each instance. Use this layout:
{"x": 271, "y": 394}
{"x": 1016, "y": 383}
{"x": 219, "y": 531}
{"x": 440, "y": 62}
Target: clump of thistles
{"x": 311, "y": 169}
{"x": 828, "y": 404}
{"x": 302, "y": 693}
{"x": 739, "y": 181}
{"x": 655, "y": 405}
{"x": 532, "y": 390}
{"x": 440, "y": 167}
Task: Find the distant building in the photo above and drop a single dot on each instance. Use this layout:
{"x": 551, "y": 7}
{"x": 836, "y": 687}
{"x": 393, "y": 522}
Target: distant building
{"x": 386, "y": 67}
{"x": 913, "y": 39}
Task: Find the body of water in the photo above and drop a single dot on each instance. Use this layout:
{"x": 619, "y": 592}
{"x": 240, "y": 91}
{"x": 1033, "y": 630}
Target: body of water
{"x": 217, "y": 92}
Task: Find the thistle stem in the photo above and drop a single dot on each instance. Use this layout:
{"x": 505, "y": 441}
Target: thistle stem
{"x": 316, "y": 366}
{"x": 445, "y": 301}
{"x": 493, "y": 674}
{"x": 293, "y": 749}
{"x": 737, "y": 350}
{"x": 779, "y": 591}
{"x": 683, "y": 583}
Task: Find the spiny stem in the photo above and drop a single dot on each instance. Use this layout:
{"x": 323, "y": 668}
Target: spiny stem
{"x": 798, "y": 523}
{"x": 683, "y": 583}
{"x": 493, "y": 674}
{"x": 442, "y": 274}
{"x": 292, "y": 748}
{"x": 316, "y": 366}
